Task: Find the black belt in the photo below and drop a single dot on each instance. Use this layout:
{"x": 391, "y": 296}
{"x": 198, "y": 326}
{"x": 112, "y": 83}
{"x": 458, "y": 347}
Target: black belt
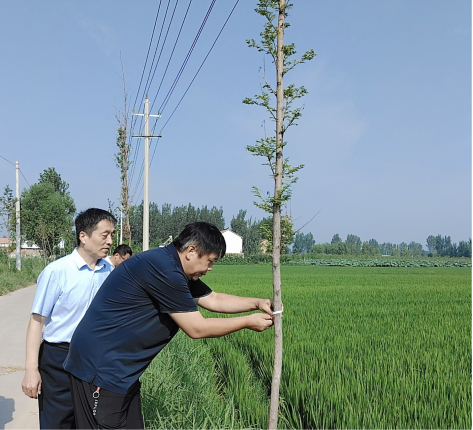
{"x": 62, "y": 345}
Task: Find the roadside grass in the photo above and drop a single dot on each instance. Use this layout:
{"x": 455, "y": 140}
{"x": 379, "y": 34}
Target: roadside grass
{"x": 12, "y": 279}
{"x": 180, "y": 390}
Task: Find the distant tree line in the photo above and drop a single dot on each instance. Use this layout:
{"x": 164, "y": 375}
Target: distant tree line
{"x": 257, "y": 235}
{"x": 444, "y": 247}
{"x": 47, "y": 212}
{"x": 437, "y": 246}
{"x": 168, "y": 221}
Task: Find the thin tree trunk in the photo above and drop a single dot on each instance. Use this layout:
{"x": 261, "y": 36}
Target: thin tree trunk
{"x": 123, "y": 162}
{"x": 274, "y": 407}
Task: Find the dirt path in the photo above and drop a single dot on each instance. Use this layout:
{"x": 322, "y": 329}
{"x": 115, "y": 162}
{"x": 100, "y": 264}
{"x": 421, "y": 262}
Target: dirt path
{"x": 17, "y": 411}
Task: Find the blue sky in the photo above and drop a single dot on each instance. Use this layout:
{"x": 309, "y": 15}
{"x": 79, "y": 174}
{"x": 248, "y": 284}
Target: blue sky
{"x": 385, "y": 135}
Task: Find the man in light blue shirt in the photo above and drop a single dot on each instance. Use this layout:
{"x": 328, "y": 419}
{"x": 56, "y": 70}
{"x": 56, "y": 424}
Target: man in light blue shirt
{"x": 65, "y": 290}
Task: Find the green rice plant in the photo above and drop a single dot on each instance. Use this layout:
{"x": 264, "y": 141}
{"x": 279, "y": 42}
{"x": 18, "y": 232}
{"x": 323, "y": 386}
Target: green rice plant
{"x": 363, "y": 347}
{"x": 180, "y": 390}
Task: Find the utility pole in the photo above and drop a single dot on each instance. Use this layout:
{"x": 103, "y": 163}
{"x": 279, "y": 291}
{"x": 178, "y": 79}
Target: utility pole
{"x": 18, "y": 235}
{"x": 146, "y": 137}
{"x": 121, "y": 225}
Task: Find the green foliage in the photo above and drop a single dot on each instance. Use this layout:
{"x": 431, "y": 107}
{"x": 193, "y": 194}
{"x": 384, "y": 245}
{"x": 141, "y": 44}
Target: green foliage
{"x": 170, "y": 221}
{"x": 365, "y": 347}
{"x": 12, "y": 279}
{"x": 7, "y": 208}
{"x": 47, "y": 212}
{"x": 233, "y": 259}
{"x": 287, "y": 234}
{"x": 443, "y": 247}
{"x": 180, "y": 390}
{"x": 123, "y": 164}
{"x": 303, "y": 243}
{"x": 270, "y": 148}
{"x": 353, "y": 243}
{"x": 378, "y": 262}
{"x": 50, "y": 176}
{"x": 267, "y": 148}
{"x": 370, "y": 248}
{"x": 249, "y": 231}
{"x": 7, "y": 213}
{"x": 335, "y": 239}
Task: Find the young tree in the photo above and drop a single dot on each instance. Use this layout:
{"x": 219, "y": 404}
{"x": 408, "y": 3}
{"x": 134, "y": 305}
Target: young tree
{"x": 353, "y": 244}
{"x": 50, "y": 176}
{"x": 47, "y": 212}
{"x": 464, "y": 248}
{"x": 122, "y": 158}
{"x": 7, "y": 212}
{"x": 249, "y": 231}
{"x": 336, "y": 239}
{"x": 272, "y": 43}
{"x": 303, "y": 243}
{"x": 266, "y": 227}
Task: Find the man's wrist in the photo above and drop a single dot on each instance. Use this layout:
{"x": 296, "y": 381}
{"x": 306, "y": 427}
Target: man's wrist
{"x": 31, "y": 368}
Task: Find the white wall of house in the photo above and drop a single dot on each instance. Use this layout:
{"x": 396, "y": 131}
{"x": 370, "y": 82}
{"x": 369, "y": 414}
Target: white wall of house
{"x": 233, "y": 241}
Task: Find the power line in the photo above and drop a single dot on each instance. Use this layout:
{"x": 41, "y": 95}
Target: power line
{"x": 172, "y": 52}
{"x": 162, "y": 46}
{"x": 8, "y": 161}
{"x": 198, "y": 70}
{"x": 147, "y": 55}
{"x": 179, "y": 74}
{"x": 157, "y": 45}
{"x": 184, "y": 64}
{"x": 133, "y": 120}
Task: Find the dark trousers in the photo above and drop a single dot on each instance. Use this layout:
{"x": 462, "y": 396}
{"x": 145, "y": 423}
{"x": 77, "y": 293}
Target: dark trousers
{"x": 56, "y": 410}
{"x": 112, "y": 410}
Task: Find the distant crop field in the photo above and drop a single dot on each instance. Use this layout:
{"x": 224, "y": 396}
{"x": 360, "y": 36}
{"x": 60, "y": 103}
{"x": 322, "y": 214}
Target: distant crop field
{"x": 363, "y": 347}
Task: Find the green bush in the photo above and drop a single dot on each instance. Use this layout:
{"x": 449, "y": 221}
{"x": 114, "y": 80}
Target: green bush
{"x": 233, "y": 259}
{"x": 378, "y": 262}
{"x": 12, "y": 279}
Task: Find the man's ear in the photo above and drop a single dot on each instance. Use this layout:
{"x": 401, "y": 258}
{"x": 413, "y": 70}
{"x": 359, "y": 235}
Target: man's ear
{"x": 190, "y": 251}
{"x": 82, "y": 236}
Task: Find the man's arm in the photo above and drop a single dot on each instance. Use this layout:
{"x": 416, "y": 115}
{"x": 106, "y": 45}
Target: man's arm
{"x": 197, "y": 327}
{"x": 228, "y": 304}
{"x": 31, "y": 384}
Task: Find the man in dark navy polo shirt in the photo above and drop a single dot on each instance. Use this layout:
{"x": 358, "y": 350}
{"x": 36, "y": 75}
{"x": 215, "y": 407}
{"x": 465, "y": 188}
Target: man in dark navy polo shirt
{"x": 137, "y": 311}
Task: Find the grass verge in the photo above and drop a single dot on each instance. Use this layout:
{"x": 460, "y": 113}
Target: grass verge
{"x": 12, "y": 279}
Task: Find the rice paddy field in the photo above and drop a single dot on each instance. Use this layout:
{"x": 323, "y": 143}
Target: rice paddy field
{"x": 364, "y": 348}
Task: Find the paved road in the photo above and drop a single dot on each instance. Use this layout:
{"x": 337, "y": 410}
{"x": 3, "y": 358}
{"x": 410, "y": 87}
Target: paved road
{"x": 17, "y": 411}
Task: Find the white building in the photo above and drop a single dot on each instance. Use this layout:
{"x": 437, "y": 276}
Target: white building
{"x": 4, "y": 242}
{"x": 233, "y": 241}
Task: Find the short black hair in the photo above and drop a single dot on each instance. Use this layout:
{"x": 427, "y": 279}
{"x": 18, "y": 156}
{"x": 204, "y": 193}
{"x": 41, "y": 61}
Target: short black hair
{"x": 204, "y": 236}
{"x": 122, "y": 250}
{"x": 87, "y": 221}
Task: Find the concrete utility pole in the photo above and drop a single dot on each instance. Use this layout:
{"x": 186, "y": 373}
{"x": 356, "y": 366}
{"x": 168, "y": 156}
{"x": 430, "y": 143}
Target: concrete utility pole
{"x": 146, "y": 136}
{"x": 18, "y": 235}
{"x": 121, "y": 225}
